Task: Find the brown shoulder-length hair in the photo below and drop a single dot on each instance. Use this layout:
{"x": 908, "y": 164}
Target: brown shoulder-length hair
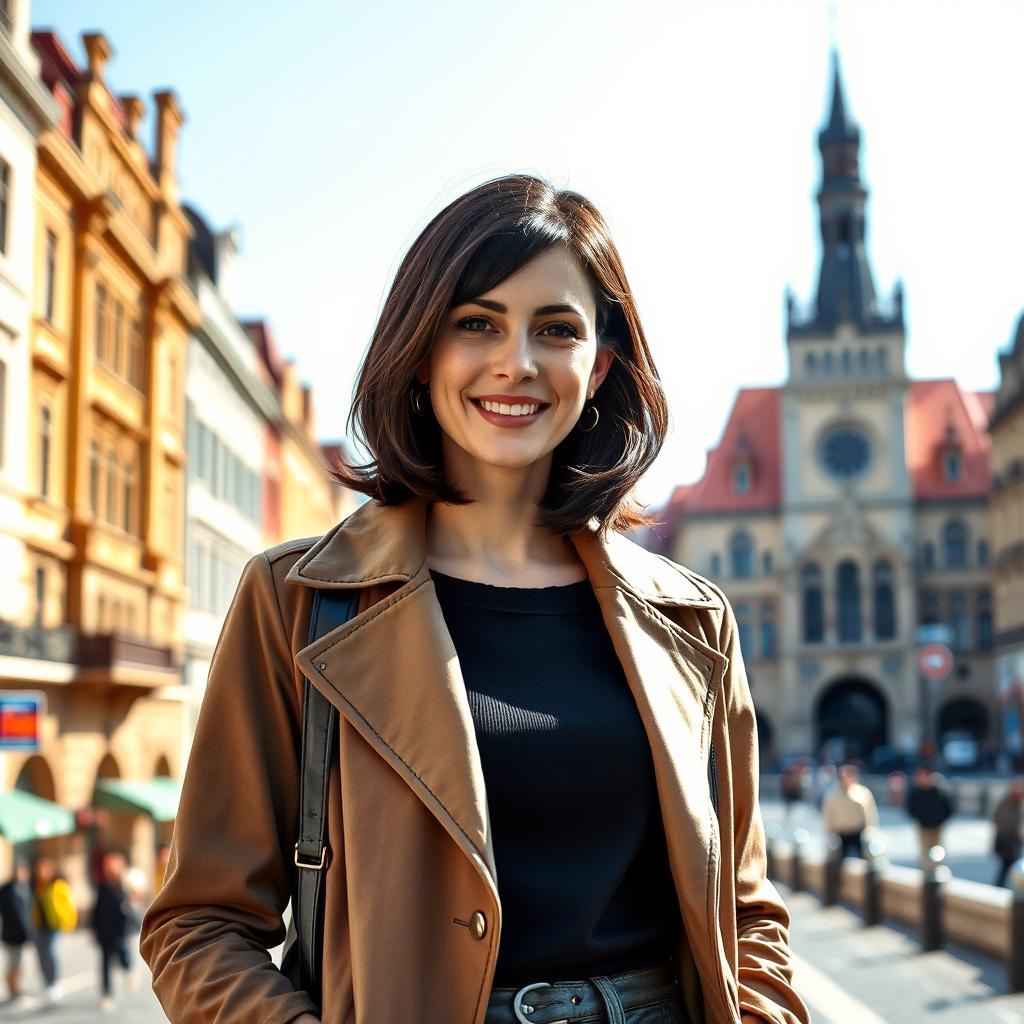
{"x": 467, "y": 249}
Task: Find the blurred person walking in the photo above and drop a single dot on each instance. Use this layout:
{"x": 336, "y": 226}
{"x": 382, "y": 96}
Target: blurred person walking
{"x": 930, "y": 803}
{"x": 850, "y": 812}
{"x": 114, "y": 919}
{"x": 53, "y": 912}
{"x": 1008, "y": 817}
{"x": 15, "y": 925}
{"x": 792, "y": 787}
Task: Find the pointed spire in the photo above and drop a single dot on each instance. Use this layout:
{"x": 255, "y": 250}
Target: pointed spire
{"x": 840, "y": 127}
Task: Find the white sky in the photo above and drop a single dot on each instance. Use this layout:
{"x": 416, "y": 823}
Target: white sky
{"x": 332, "y": 132}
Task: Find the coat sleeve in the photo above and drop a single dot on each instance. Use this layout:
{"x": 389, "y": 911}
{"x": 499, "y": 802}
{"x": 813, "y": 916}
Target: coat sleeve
{"x": 207, "y": 933}
{"x": 765, "y": 966}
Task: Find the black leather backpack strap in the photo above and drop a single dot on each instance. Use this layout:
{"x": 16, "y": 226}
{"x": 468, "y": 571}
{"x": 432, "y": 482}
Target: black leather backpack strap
{"x": 312, "y": 854}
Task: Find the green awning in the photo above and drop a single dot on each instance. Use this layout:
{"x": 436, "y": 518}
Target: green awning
{"x": 24, "y": 816}
{"x": 155, "y": 797}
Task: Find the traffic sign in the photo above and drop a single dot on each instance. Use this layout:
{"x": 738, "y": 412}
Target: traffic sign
{"x": 21, "y": 713}
{"x": 934, "y": 661}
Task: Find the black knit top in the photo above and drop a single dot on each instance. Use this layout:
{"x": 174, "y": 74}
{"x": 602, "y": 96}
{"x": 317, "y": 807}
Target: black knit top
{"x": 579, "y": 844}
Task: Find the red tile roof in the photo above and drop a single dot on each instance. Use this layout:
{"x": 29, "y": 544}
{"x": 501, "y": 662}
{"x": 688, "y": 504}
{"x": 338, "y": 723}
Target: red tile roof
{"x": 937, "y": 411}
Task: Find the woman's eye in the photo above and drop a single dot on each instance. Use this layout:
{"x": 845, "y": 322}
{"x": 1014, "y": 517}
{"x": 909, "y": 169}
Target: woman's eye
{"x": 467, "y": 322}
{"x": 574, "y": 333}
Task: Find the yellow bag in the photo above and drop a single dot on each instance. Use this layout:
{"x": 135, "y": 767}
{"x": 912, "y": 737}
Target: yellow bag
{"x": 58, "y": 910}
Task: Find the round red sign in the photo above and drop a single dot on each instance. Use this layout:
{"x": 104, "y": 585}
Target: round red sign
{"x": 934, "y": 661}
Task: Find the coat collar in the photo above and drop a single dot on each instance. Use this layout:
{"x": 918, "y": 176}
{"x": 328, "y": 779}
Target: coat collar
{"x": 387, "y": 543}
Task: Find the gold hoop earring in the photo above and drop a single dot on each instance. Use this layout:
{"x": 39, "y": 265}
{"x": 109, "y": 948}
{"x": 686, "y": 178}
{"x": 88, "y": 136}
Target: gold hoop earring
{"x": 597, "y": 416}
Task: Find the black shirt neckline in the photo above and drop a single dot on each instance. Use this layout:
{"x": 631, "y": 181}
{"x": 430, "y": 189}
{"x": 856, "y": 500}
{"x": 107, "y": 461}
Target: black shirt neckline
{"x": 559, "y": 599}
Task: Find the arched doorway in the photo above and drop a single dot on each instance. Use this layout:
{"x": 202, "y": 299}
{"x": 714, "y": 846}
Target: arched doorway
{"x": 36, "y": 779}
{"x": 964, "y": 714}
{"x": 851, "y": 719}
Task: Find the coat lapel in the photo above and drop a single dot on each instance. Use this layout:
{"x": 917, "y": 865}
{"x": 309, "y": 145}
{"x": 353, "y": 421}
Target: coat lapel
{"x": 392, "y": 671}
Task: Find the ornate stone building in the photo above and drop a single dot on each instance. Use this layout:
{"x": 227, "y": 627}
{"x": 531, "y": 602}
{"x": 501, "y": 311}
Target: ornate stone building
{"x": 1007, "y": 427}
{"x": 847, "y": 507}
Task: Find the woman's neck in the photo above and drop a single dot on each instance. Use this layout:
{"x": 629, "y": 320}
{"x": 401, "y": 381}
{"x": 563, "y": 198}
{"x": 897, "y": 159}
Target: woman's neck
{"x": 498, "y": 543}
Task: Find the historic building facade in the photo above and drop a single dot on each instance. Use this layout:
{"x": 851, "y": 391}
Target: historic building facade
{"x": 26, "y": 110}
{"x": 846, "y": 508}
{"x": 104, "y": 432}
{"x": 1007, "y": 428}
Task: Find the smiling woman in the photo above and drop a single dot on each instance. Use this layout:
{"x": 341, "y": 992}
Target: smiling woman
{"x": 518, "y": 275}
{"x": 536, "y": 791}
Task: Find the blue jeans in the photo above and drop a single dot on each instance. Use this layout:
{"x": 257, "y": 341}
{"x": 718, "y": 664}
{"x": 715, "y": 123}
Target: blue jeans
{"x": 45, "y": 942}
{"x": 644, "y": 996}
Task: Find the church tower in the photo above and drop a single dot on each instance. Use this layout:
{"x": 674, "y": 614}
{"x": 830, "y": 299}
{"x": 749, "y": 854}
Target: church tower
{"x": 846, "y": 505}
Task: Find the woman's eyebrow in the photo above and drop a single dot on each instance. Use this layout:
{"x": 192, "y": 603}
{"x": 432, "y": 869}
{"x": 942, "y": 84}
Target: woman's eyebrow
{"x": 498, "y": 307}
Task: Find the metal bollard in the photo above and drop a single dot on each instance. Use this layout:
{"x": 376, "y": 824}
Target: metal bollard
{"x": 873, "y": 868}
{"x": 1015, "y": 962}
{"x": 800, "y": 837}
{"x": 831, "y": 871}
{"x": 935, "y": 876}
{"x": 771, "y": 837}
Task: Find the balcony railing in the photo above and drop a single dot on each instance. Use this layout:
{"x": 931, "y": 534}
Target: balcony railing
{"x": 37, "y": 642}
{"x": 106, "y": 650}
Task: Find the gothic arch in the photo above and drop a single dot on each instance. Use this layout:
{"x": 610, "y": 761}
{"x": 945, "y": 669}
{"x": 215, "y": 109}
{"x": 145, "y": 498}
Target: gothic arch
{"x": 851, "y": 713}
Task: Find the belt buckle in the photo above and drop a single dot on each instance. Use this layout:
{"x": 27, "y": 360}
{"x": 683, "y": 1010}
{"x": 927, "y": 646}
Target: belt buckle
{"x": 518, "y": 1007}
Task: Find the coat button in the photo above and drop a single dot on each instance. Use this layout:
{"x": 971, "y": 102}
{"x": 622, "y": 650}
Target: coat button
{"x": 478, "y": 924}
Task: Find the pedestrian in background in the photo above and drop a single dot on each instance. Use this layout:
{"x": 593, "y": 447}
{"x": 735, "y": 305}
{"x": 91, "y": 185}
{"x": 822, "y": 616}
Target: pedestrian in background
{"x": 930, "y": 804}
{"x": 850, "y": 811}
{"x": 792, "y": 786}
{"x": 53, "y": 912}
{"x": 15, "y": 925}
{"x": 114, "y": 919}
{"x": 1008, "y": 817}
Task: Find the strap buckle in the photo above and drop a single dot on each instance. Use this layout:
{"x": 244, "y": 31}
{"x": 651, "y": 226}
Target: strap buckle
{"x": 519, "y": 1007}
{"x": 309, "y": 864}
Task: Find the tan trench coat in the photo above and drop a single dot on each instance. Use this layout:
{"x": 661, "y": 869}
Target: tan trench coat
{"x": 413, "y": 914}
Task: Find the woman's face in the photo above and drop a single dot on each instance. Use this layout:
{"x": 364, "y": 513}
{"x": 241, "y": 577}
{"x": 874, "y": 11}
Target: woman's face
{"x": 529, "y": 344}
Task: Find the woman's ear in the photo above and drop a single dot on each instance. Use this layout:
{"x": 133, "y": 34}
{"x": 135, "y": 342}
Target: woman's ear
{"x": 602, "y": 364}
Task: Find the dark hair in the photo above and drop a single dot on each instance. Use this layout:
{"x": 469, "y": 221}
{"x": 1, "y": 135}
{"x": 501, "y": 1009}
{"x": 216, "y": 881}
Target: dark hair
{"x": 467, "y": 249}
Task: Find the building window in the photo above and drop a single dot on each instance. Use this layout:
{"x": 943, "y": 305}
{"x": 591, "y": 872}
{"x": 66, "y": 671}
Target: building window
{"x": 952, "y": 465}
{"x": 45, "y": 447}
{"x": 101, "y": 323}
{"x": 743, "y": 627}
{"x": 813, "y": 604}
{"x": 40, "y": 580}
{"x": 827, "y": 362}
{"x": 982, "y": 552}
{"x": 930, "y": 609}
{"x": 960, "y": 622}
{"x": 810, "y": 365}
{"x": 129, "y": 481}
{"x": 766, "y": 563}
{"x": 848, "y": 602}
{"x": 112, "y": 474}
{"x": 884, "y": 601}
{"x": 864, "y": 362}
{"x": 50, "y": 276}
{"x": 741, "y": 477}
{"x": 716, "y": 565}
{"x": 115, "y": 361}
{"x": 135, "y": 354}
{"x": 954, "y": 544}
{"x": 928, "y": 555}
{"x": 741, "y": 555}
{"x": 768, "y": 633}
{"x": 883, "y": 360}
{"x": 5, "y": 204}
{"x": 985, "y": 619}
{"x": 94, "y": 477}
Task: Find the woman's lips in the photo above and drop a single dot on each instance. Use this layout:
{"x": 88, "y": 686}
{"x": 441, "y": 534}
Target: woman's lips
{"x": 500, "y": 420}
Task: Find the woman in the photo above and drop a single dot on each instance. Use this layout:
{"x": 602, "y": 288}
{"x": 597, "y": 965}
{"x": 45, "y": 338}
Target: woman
{"x": 520, "y": 815}
{"x": 53, "y": 912}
